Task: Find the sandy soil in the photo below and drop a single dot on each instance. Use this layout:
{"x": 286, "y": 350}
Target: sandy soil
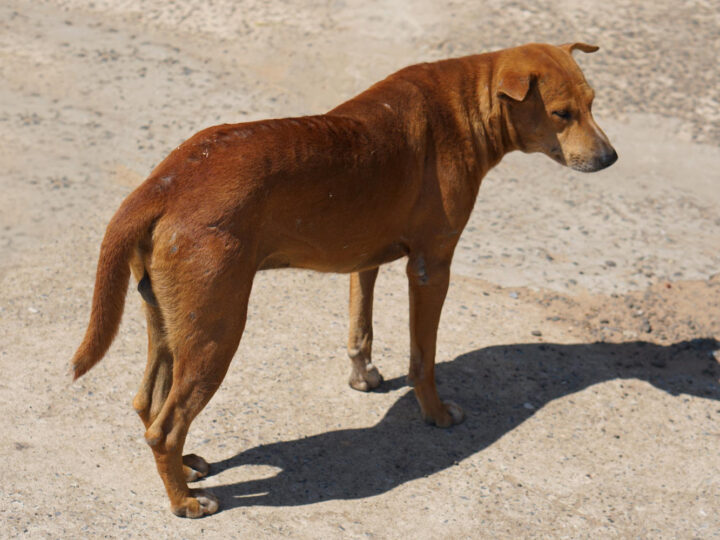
{"x": 579, "y": 332}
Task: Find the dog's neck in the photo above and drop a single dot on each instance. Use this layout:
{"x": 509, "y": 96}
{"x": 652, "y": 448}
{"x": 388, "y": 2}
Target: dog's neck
{"x": 488, "y": 125}
{"x": 457, "y": 102}
{"x": 467, "y": 115}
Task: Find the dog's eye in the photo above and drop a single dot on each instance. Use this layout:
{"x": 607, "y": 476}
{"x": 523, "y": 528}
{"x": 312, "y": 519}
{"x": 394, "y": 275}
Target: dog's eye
{"x": 564, "y": 114}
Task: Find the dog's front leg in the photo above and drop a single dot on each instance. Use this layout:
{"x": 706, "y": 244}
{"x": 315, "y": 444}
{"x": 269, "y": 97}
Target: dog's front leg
{"x": 428, "y": 279}
{"x": 364, "y": 375}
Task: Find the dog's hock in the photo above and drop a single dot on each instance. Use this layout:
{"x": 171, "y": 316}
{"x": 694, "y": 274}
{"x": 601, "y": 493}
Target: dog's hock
{"x": 154, "y": 436}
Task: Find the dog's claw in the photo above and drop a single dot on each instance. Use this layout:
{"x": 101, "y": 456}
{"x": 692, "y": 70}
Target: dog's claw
{"x": 367, "y": 379}
{"x": 199, "y": 504}
{"x": 194, "y": 467}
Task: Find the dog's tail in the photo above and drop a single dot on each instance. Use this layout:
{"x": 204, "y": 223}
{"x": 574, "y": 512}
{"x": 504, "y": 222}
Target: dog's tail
{"x": 130, "y": 223}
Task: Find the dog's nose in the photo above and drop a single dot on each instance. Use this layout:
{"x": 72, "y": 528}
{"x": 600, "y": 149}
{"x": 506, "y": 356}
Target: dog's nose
{"x": 608, "y": 158}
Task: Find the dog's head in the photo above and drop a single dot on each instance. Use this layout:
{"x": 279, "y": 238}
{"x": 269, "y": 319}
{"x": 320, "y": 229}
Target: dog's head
{"x": 547, "y": 104}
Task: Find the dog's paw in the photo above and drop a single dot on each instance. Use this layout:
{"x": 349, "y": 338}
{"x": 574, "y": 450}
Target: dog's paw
{"x": 448, "y": 415}
{"x": 194, "y": 467}
{"x": 366, "y": 378}
{"x": 200, "y": 503}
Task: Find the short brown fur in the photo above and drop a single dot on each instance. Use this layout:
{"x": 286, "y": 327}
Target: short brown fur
{"x": 393, "y": 172}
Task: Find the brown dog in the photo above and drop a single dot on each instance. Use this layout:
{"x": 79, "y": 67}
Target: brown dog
{"x": 393, "y": 172}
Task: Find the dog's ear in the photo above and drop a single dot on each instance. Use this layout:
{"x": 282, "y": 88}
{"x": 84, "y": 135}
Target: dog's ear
{"x": 584, "y": 47}
{"x": 514, "y": 85}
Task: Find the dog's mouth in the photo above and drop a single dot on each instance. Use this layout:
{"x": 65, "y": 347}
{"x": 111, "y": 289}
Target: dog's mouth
{"x": 557, "y": 155}
{"x": 583, "y": 165}
{"x": 594, "y": 163}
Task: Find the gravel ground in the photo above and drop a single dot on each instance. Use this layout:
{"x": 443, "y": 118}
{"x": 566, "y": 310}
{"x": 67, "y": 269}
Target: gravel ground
{"x": 579, "y": 334}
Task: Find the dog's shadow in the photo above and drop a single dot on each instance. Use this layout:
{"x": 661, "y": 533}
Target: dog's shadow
{"x": 499, "y": 388}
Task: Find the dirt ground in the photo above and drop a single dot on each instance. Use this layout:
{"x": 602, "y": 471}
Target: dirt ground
{"x": 579, "y": 334}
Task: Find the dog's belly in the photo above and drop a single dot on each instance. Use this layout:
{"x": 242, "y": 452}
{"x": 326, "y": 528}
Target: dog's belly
{"x": 344, "y": 260}
{"x": 340, "y": 222}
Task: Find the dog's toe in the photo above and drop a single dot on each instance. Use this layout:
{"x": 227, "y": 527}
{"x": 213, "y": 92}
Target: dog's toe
{"x": 194, "y": 467}
{"x": 365, "y": 379}
{"x": 208, "y": 503}
{"x": 456, "y": 412}
{"x": 199, "y": 504}
{"x": 450, "y": 414}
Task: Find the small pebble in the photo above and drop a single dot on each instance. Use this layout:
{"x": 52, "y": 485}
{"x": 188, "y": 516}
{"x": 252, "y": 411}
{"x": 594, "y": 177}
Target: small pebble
{"x": 513, "y": 294}
{"x": 529, "y": 406}
{"x": 537, "y": 333}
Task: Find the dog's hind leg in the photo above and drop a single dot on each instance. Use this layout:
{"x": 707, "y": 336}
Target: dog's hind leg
{"x": 204, "y": 337}
{"x": 158, "y": 371}
{"x": 364, "y": 375}
{"x": 156, "y": 384}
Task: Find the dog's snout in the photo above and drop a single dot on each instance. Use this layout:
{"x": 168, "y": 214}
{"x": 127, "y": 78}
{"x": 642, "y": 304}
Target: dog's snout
{"x": 595, "y": 162}
{"x": 608, "y": 158}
